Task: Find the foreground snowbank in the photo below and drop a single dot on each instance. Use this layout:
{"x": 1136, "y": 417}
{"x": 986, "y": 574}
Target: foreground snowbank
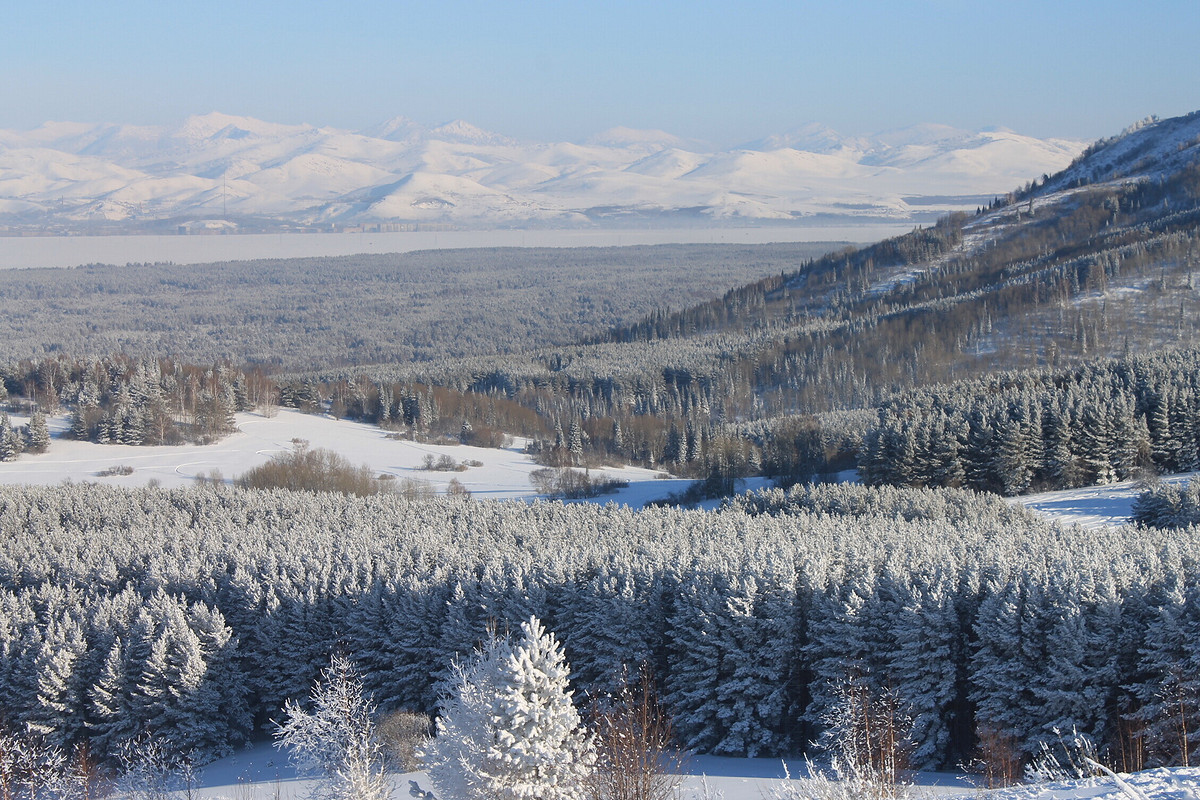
{"x": 264, "y": 773}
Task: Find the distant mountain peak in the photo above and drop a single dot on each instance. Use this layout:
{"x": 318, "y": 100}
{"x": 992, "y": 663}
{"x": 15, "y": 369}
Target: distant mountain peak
{"x": 463, "y": 132}
{"x": 621, "y": 136}
{"x": 813, "y": 138}
{"x": 396, "y": 129}
{"x": 215, "y": 125}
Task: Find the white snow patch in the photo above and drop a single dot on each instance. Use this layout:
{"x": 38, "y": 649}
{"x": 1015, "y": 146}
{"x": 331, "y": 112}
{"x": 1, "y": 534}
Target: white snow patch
{"x": 1093, "y": 506}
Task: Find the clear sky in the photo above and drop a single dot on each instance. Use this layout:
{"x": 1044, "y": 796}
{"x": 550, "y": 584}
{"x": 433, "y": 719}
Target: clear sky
{"x": 722, "y": 72}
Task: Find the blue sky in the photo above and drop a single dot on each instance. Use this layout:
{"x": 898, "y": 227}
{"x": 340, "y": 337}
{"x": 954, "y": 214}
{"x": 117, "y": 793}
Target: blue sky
{"x": 723, "y": 72}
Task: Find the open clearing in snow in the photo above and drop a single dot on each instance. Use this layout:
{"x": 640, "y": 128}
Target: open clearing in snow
{"x": 1093, "y": 506}
{"x": 504, "y": 474}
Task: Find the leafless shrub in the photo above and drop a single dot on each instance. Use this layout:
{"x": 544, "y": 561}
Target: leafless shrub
{"x": 868, "y": 737}
{"x": 442, "y": 463}
{"x": 401, "y": 733}
{"x": 29, "y": 767}
{"x": 573, "y": 484}
{"x": 311, "y": 470}
{"x": 151, "y": 772}
{"x": 637, "y": 757}
{"x": 997, "y": 758}
{"x": 412, "y": 489}
{"x": 1074, "y": 758}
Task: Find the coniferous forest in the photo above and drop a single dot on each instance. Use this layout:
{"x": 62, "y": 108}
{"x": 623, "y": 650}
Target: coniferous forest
{"x": 194, "y": 614}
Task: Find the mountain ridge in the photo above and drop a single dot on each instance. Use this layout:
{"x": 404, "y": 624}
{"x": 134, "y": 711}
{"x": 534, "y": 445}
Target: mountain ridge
{"x": 67, "y": 176}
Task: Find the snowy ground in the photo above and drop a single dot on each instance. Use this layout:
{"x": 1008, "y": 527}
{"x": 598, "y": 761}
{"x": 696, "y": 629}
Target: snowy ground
{"x": 1093, "y": 506}
{"x": 264, "y": 773}
{"x": 504, "y": 474}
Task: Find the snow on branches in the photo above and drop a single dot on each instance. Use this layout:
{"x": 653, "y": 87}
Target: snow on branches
{"x": 508, "y": 729}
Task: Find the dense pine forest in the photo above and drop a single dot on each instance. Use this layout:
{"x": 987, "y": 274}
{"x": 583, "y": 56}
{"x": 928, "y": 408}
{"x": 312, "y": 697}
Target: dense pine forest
{"x": 193, "y": 614}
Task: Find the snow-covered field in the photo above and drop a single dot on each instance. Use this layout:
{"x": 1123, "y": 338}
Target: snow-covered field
{"x": 1093, "y": 506}
{"x": 504, "y": 474}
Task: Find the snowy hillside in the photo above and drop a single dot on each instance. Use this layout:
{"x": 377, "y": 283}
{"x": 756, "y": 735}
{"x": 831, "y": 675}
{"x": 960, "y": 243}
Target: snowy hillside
{"x": 68, "y": 175}
{"x": 1152, "y": 148}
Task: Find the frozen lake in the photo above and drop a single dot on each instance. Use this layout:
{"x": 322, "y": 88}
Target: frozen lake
{"x": 18, "y": 252}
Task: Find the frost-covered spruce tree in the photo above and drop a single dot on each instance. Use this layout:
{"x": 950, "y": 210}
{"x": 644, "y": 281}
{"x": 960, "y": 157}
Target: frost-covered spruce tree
{"x": 758, "y": 631}
{"x": 508, "y": 729}
{"x": 696, "y": 664}
{"x": 923, "y": 669}
{"x": 38, "y": 433}
{"x": 610, "y": 627}
{"x": 337, "y": 737}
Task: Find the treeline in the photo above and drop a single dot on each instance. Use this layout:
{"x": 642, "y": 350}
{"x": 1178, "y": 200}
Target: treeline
{"x": 1015, "y": 433}
{"x": 124, "y": 400}
{"x": 193, "y": 614}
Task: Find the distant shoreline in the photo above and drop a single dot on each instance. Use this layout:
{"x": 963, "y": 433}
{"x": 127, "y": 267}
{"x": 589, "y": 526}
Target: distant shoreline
{"x": 21, "y": 252}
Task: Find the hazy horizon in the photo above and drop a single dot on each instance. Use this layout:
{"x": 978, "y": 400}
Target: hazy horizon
{"x": 713, "y": 72}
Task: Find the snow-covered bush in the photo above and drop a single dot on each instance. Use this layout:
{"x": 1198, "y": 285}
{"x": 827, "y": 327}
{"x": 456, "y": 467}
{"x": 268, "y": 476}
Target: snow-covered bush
{"x": 1162, "y": 505}
{"x": 507, "y": 728}
{"x": 817, "y": 785}
{"x": 867, "y": 738}
{"x": 312, "y": 470}
{"x": 337, "y": 737}
{"x": 1072, "y": 758}
{"x": 149, "y": 771}
{"x": 29, "y": 767}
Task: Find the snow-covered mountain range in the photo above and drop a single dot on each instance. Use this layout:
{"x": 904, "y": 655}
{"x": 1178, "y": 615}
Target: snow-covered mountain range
{"x": 215, "y": 166}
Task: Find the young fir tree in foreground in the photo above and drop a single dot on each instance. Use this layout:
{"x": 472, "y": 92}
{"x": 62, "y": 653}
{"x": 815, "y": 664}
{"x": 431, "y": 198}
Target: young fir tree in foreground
{"x": 508, "y": 729}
